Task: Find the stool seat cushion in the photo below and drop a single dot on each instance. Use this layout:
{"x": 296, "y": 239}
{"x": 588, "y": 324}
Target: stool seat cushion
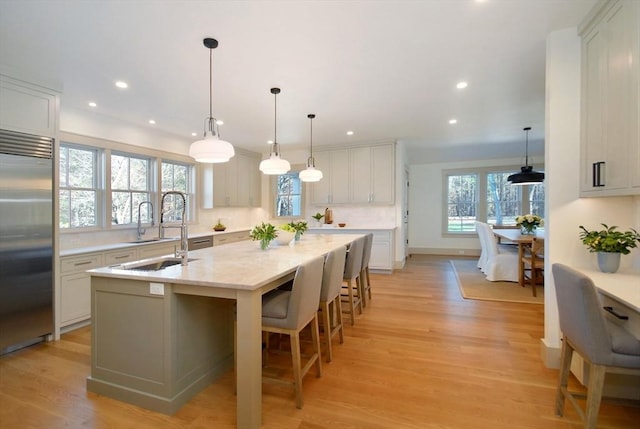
{"x": 622, "y": 342}
{"x": 275, "y": 304}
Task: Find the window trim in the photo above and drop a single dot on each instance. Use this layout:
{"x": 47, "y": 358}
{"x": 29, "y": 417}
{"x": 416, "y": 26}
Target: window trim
{"x": 97, "y": 186}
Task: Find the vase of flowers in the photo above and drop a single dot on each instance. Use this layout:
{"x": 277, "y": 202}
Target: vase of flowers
{"x": 265, "y": 233}
{"x": 609, "y": 244}
{"x": 298, "y": 227}
{"x": 528, "y": 223}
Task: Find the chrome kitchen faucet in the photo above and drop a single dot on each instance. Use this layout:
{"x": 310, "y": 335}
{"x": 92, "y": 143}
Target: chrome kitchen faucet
{"x": 183, "y": 253}
{"x": 142, "y": 230}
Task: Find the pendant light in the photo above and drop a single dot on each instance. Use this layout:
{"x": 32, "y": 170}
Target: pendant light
{"x": 211, "y": 149}
{"x": 526, "y": 176}
{"x": 274, "y": 164}
{"x": 311, "y": 174}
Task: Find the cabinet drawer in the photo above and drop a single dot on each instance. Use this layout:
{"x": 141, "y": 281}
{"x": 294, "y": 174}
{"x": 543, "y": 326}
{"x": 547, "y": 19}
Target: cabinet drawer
{"x": 76, "y": 264}
{"x": 231, "y": 237}
{"x": 120, "y": 256}
{"x": 196, "y": 243}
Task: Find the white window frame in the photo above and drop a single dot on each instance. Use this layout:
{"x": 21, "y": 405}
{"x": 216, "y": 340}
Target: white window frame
{"x": 274, "y": 196}
{"x": 97, "y": 185}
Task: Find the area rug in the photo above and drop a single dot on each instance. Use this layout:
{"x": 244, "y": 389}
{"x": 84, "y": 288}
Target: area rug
{"x": 474, "y": 285}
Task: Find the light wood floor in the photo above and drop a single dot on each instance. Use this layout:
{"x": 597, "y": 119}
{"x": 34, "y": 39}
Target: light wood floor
{"x": 419, "y": 357}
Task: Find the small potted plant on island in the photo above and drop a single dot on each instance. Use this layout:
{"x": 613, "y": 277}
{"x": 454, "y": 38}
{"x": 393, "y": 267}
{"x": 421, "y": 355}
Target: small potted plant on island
{"x": 318, "y": 216}
{"x": 265, "y": 233}
{"x": 219, "y": 226}
{"x": 298, "y": 227}
{"x": 609, "y": 244}
{"x": 528, "y": 223}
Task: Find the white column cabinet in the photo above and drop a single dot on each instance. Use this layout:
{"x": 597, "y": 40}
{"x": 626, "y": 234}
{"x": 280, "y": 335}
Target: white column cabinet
{"x": 610, "y": 146}
{"x": 356, "y": 175}
{"x": 231, "y": 184}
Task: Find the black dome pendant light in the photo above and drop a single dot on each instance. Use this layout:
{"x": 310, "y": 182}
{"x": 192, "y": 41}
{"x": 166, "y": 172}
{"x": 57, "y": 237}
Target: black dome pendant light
{"x": 526, "y": 176}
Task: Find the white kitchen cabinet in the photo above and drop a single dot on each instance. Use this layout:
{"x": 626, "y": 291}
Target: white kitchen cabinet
{"x": 28, "y": 108}
{"x": 357, "y": 175}
{"x": 230, "y": 237}
{"x": 381, "y": 248}
{"x": 334, "y": 186}
{"x": 610, "y": 141}
{"x": 157, "y": 249}
{"x": 372, "y": 174}
{"x": 231, "y": 184}
{"x": 75, "y": 287}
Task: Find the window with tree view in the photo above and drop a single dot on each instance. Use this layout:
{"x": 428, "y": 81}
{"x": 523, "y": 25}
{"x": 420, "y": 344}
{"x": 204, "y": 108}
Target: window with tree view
{"x": 78, "y": 189}
{"x": 175, "y": 177}
{"x": 462, "y": 204}
{"x": 130, "y": 185}
{"x": 288, "y": 195}
{"x": 504, "y": 201}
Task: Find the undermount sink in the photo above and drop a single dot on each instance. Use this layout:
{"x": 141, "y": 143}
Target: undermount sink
{"x": 154, "y": 265}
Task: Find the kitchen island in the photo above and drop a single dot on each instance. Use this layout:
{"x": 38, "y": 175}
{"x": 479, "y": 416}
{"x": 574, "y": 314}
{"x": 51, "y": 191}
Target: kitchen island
{"x": 159, "y": 337}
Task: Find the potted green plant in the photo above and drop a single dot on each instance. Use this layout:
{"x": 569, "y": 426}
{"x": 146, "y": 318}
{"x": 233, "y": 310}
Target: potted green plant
{"x": 609, "y": 244}
{"x": 528, "y": 223}
{"x": 219, "y": 226}
{"x": 317, "y": 217}
{"x": 265, "y": 232}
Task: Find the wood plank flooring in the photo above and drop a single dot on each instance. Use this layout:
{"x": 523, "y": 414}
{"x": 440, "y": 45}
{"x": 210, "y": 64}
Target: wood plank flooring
{"x": 419, "y": 357}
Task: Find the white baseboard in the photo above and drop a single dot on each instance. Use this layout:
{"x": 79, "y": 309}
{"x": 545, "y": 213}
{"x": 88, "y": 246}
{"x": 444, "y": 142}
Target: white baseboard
{"x": 443, "y": 252}
{"x": 550, "y": 354}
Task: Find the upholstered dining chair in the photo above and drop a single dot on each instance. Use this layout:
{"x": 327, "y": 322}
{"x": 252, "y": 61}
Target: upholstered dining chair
{"x": 482, "y": 261}
{"x": 365, "y": 281}
{"x": 330, "y": 302}
{"x": 533, "y": 263}
{"x": 500, "y": 265}
{"x": 289, "y": 312}
{"x": 586, "y": 330}
{"x": 351, "y": 277}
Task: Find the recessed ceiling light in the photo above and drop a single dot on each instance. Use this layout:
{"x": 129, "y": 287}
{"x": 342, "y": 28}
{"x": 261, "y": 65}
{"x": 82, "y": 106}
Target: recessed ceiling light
{"x": 453, "y": 121}
{"x": 122, "y": 84}
{"x": 462, "y": 85}
{"x": 194, "y": 134}
{"x": 269, "y": 141}
{"x": 219, "y": 122}
{"x": 349, "y": 133}
{"x": 92, "y": 104}
{"x": 152, "y": 121}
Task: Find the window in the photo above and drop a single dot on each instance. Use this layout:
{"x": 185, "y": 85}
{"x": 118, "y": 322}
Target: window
{"x": 504, "y": 201}
{"x": 462, "y": 205}
{"x": 176, "y": 177}
{"x": 288, "y": 201}
{"x": 78, "y": 186}
{"x": 130, "y": 185}
{"x": 501, "y": 203}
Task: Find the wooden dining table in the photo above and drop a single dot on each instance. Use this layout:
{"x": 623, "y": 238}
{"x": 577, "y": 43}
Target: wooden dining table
{"x": 522, "y": 240}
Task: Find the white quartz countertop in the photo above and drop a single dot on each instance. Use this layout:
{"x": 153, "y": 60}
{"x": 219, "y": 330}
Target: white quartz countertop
{"x": 348, "y": 227}
{"x": 125, "y": 244}
{"x": 622, "y": 286}
{"x": 240, "y": 265}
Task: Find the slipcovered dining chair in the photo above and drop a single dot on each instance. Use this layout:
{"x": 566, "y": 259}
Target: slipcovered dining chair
{"x": 351, "y": 277}
{"x": 482, "y": 261}
{"x": 586, "y": 330}
{"x": 365, "y": 281}
{"x": 289, "y": 312}
{"x": 330, "y": 303}
{"x": 500, "y": 265}
{"x": 533, "y": 263}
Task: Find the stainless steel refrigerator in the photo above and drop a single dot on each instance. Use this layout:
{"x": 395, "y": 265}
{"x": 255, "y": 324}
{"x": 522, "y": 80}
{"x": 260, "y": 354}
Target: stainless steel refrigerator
{"x": 26, "y": 239}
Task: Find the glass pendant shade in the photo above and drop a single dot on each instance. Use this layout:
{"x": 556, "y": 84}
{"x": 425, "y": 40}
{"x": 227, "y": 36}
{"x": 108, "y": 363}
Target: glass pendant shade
{"x": 211, "y": 149}
{"x": 274, "y": 164}
{"x": 310, "y": 174}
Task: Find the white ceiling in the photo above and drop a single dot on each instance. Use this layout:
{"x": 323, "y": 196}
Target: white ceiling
{"x": 384, "y": 69}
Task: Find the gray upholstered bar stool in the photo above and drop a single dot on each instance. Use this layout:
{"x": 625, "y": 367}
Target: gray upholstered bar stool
{"x": 351, "y": 277}
{"x": 330, "y": 303}
{"x": 601, "y": 343}
{"x": 289, "y": 312}
{"x": 365, "y": 281}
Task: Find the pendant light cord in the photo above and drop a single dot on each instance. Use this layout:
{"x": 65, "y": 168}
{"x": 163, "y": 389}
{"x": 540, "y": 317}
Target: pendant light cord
{"x": 210, "y": 83}
{"x": 526, "y": 147}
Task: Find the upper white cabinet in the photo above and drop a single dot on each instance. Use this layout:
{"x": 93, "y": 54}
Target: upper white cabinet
{"x": 231, "y": 184}
{"x": 357, "y": 175}
{"x": 28, "y": 108}
{"x": 610, "y": 142}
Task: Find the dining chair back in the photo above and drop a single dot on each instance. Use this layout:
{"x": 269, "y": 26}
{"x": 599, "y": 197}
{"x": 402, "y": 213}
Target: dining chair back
{"x": 351, "y": 277}
{"x": 482, "y": 261}
{"x": 500, "y": 266}
{"x": 289, "y": 312}
{"x": 330, "y": 303}
{"x": 586, "y": 330}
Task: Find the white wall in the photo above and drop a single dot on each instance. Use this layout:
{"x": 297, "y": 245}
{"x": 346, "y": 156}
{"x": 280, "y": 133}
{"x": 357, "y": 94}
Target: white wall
{"x": 565, "y": 210}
